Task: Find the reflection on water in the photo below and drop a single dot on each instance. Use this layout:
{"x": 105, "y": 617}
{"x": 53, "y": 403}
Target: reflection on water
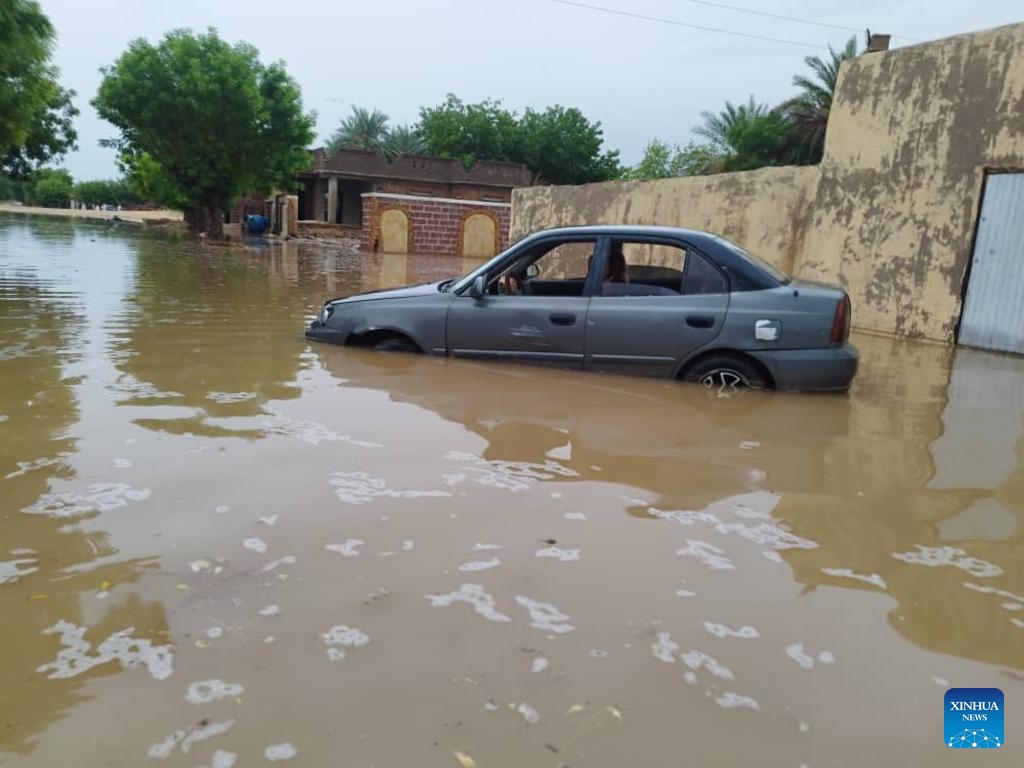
{"x": 219, "y": 542}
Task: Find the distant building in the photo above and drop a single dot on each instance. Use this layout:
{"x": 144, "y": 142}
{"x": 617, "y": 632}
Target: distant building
{"x": 415, "y": 204}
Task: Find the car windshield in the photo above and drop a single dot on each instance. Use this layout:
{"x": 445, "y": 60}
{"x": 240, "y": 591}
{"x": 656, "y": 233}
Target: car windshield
{"x": 757, "y": 261}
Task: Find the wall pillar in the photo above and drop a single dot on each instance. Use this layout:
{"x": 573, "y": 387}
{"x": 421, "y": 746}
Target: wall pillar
{"x": 332, "y": 199}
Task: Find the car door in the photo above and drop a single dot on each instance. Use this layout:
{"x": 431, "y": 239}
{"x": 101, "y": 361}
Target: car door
{"x": 674, "y": 303}
{"x": 544, "y": 328}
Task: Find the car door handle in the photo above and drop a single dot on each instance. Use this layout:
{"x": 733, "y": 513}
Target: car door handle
{"x": 700, "y": 321}
{"x": 562, "y": 318}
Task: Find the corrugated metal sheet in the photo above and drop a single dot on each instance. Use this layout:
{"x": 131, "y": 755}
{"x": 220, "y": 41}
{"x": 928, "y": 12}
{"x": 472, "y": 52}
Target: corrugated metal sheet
{"x": 993, "y": 316}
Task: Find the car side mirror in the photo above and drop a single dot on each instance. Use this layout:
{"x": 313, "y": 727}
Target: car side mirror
{"x": 478, "y": 287}
{"x": 532, "y": 271}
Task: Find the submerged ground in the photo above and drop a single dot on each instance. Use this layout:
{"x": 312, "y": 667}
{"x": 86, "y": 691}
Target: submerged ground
{"x": 222, "y": 545}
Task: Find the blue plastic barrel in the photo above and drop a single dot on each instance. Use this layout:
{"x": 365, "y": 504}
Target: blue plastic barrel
{"x": 256, "y": 224}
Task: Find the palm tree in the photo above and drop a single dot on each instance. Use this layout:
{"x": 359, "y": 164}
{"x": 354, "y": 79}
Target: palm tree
{"x": 403, "y": 140}
{"x": 362, "y": 129}
{"x": 720, "y": 128}
{"x": 809, "y": 110}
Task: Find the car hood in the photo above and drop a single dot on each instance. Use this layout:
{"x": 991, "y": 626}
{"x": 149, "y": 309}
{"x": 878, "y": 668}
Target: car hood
{"x": 408, "y": 291}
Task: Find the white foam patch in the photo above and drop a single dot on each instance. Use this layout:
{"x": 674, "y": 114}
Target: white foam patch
{"x": 742, "y": 510}
{"x": 1019, "y": 623}
{"x": 122, "y": 464}
{"x": 713, "y": 557}
{"x": 796, "y": 653}
{"x": 508, "y": 475}
{"x": 270, "y": 610}
{"x": 341, "y": 636}
{"x": 665, "y": 648}
{"x": 546, "y": 616}
{"x": 473, "y": 594}
{"x": 730, "y": 700}
{"x": 215, "y": 632}
{"x": 74, "y": 660}
{"x": 223, "y": 759}
{"x": 938, "y": 557}
{"x": 277, "y": 752}
{"x": 255, "y": 544}
{"x": 971, "y": 586}
{"x": 530, "y": 715}
{"x": 490, "y": 706}
{"x": 349, "y": 548}
{"x": 200, "y": 566}
{"x": 12, "y": 570}
{"x": 745, "y": 632}
{"x": 697, "y": 660}
{"x": 565, "y": 555}
{"x": 222, "y": 509}
{"x": 480, "y": 565}
{"x": 685, "y": 517}
{"x": 227, "y": 398}
{"x": 24, "y": 467}
{"x": 98, "y": 497}
{"x": 22, "y": 551}
{"x": 767, "y": 534}
{"x": 210, "y": 690}
{"x": 269, "y": 519}
{"x": 940, "y": 681}
{"x": 749, "y": 445}
{"x": 772, "y": 555}
{"x": 539, "y": 664}
{"x": 361, "y": 488}
{"x": 686, "y": 593}
{"x": 846, "y": 573}
{"x": 826, "y": 657}
{"x": 187, "y": 737}
{"x": 408, "y": 545}
{"x": 478, "y": 547}
{"x": 310, "y": 432}
{"x": 286, "y": 560}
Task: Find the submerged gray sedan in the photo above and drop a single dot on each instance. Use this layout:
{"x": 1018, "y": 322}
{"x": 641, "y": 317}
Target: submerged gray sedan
{"x": 654, "y": 301}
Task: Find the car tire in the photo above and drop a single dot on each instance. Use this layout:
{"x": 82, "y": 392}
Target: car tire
{"x": 724, "y": 374}
{"x": 395, "y": 344}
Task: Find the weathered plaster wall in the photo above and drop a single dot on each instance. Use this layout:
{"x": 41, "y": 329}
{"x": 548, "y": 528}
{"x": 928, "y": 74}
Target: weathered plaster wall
{"x": 765, "y": 210}
{"x": 889, "y": 213}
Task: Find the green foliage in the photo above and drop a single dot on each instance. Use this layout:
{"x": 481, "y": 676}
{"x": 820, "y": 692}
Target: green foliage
{"x": 51, "y": 188}
{"x": 363, "y": 129}
{"x": 559, "y": 145}
{"x": 403, "y": 140}
{"x": 35, "y": 112}
{"x": 809, "y": 110}
{"x": 207, "y": 121}
{"x": 114, "y": 193}
{"x": 663, "y": 161}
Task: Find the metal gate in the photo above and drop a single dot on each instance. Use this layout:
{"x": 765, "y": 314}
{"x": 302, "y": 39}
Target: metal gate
{"x": 993, "y": 313}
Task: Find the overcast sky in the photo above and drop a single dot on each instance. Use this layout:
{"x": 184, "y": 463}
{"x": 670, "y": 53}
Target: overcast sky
{"x": 640, "y": 78}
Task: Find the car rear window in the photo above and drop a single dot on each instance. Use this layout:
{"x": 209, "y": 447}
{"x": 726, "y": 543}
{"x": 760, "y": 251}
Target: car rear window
{"x": 757, "y": 261}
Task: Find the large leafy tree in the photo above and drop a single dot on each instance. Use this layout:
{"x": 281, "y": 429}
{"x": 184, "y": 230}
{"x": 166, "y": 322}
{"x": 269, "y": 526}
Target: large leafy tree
{"x": 35, "y": 112}
{"x": 208, "y": 120}
{"x": 662, "y": 161}
{"x": 363, "y": 129}
{"x": 559, "y": 145}
{"x": 809, "y": 110}
{"x": 747, "y": 136}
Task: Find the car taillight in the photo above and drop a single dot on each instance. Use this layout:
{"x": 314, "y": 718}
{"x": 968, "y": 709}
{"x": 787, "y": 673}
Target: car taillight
{"x": 841, "y": 321}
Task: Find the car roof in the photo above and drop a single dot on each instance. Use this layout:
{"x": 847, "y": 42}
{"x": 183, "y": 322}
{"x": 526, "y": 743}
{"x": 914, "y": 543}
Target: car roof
{"x": 626, "y": 230}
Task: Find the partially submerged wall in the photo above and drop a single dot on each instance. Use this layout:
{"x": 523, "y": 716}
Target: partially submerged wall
{"x": 889, "y": 213}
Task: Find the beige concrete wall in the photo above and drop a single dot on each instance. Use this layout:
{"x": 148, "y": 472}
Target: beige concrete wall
{"x": 889, "y": 213}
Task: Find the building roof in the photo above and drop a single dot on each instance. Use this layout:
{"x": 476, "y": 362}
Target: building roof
{"x": 359, "y": 164}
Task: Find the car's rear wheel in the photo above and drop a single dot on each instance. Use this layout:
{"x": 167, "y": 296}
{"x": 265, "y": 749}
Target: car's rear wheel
{"x": 724, "y": 374}
{"x": 395, "y": 344}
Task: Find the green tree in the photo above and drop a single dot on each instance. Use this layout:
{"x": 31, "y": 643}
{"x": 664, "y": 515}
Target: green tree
{"x": 663, "y": 161}
{"x": 104, "y": 193}
{"x": 212, "y": 121}
{"x": 718, "y": 126}
{"x": 809, "y": 110}
{"x": 363, "y": 129}
{"x": 51, "y": 188}
{"x": 35, "y": 112}
{"x": 559, "y": 145}
{"x": 403, "y": 140}
{"x": 747, "y": 136}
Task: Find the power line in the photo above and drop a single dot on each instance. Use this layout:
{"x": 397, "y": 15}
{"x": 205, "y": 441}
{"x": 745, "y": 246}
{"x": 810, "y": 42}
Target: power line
{"x": 676, "y": 23}
{"x": 793, "y": 19}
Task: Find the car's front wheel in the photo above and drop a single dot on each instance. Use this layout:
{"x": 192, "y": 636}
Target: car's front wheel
{"x": 724, "y": 374}
{"x": 395, "y": 344}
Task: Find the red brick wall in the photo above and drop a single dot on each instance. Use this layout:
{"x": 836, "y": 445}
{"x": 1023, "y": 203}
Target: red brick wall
{"x": 434, "y": 226}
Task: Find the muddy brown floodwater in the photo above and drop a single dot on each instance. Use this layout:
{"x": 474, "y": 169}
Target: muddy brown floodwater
{"x": 221, "y": 543}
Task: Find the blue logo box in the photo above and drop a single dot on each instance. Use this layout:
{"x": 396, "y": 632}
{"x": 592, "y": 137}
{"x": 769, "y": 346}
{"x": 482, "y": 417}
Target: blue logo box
{"x": 974, "y": 718}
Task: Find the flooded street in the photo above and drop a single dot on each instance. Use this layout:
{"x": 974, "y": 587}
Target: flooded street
{"x": 221, "y": 544}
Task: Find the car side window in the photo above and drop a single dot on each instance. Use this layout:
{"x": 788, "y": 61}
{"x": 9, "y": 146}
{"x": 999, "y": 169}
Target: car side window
{"x": 553, "y": 269}
{"x": 701, "y": 277}
{"x": 643, "y": 269}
